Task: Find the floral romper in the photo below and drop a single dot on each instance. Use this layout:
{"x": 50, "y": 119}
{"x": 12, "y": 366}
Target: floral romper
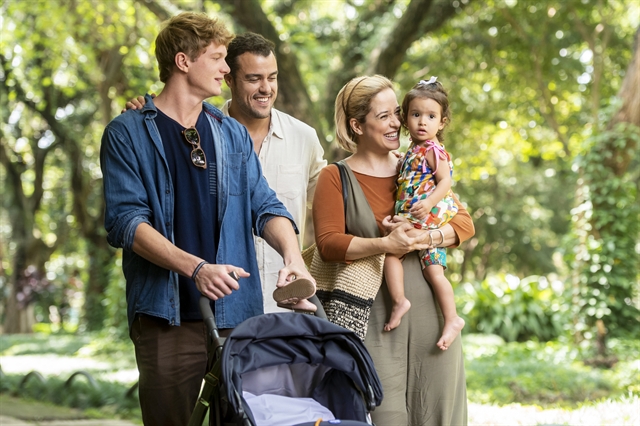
{"x": 416, "y": 182}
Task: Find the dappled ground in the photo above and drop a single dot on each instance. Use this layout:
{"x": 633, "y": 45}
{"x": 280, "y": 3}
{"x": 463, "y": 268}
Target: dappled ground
{"x": 621, "y": 413}
{"x": 497, "y": 374}
{"x": 606, "y": 413}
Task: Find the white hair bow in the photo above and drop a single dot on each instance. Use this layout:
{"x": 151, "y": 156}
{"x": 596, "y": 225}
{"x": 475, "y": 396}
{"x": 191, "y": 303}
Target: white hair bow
{"x": 431, "y": 81}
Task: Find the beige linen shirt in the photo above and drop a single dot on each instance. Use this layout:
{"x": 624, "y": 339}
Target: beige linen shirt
{"x": 291, "y": 157}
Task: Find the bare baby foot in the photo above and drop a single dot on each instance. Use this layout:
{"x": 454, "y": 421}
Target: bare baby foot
{"x": 450, "y": 332}
{"x": 397, "y": 312}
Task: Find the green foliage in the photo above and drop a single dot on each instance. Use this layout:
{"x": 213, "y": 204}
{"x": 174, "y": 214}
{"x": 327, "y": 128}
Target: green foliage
{"x": 608, "y": 231}
{"x": 527, "y": 81}
{"x": 80, "y": 393}
{"x": 543, "y": 373}
{"x": 514, "y": 309}
{"x": 116, "y": 323}
{"x": 524, "y": 83}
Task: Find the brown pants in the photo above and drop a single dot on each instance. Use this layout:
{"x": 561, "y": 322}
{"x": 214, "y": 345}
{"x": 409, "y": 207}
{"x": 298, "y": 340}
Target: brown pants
{"x": 172, "y": 362}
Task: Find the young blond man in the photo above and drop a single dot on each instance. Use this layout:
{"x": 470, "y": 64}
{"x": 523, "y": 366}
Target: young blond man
{"x": 184, "y": 189}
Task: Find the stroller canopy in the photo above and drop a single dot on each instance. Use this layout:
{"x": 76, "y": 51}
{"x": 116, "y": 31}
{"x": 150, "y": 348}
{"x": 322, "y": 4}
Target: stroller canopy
{"x": 345, "y": 377}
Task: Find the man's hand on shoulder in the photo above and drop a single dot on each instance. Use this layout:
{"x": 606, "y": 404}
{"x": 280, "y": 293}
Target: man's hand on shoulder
{"x": 136, "y": 103}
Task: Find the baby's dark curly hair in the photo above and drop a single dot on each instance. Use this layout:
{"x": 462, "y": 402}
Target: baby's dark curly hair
{"x": 426, "y": 90}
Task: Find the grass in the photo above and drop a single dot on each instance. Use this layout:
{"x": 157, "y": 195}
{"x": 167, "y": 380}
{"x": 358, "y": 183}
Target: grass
{"x": 36, "y": 410}
{"x": 101, "y": 346}
{"x": 515, "y": 381}
{"x": 99, "y": 355}
{"x": 550, "y": 374}
{"x": 36, "y": 344}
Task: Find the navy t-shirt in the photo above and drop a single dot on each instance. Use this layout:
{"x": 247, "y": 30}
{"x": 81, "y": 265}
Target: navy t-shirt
{"x": 195, "y": 208}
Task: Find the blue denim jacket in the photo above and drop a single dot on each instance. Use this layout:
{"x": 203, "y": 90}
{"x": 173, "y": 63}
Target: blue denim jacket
{"x": 138, "y": 189}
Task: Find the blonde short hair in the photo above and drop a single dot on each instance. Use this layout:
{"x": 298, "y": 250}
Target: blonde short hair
{"x": 354, "y": 101}
{"x": 190, "y": 33}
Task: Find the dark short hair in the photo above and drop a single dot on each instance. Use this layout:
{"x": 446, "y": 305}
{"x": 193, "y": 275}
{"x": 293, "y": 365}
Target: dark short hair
{"x": 425, "y": 90}
{"x": 248, "y": 43}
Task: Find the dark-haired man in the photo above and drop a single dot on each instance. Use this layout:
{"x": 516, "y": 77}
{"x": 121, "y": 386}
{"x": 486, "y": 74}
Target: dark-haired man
{"x": 289, "y": 150}
{"x": 184, "y": 189}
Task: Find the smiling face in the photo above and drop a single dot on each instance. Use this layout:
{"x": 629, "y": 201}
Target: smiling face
{"x": 424, "y": 120}
{"x": 254, "y": 86}
{"x": 381, "y": 130}
{"x": 206, "y": 73}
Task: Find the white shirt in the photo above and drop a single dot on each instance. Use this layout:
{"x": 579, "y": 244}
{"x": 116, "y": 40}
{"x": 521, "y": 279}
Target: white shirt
{"x": 291, "y": 157}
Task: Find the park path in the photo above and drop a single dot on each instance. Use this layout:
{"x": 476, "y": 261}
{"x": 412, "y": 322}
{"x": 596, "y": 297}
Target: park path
{"x": 12, "y": 421}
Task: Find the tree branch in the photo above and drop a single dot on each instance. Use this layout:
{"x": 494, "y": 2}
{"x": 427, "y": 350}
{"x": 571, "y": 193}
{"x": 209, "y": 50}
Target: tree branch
{"x": 351, "y": 55}
{"x": 394, "y": 49}
{"x": 293, "y": 97}
{"x": 420, "y": 18}
{"x": 157, "y": 9}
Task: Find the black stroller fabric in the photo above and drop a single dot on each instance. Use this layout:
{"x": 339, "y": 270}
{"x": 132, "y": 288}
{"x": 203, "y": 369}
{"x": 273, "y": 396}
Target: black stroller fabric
{"x": 349, "y": 385}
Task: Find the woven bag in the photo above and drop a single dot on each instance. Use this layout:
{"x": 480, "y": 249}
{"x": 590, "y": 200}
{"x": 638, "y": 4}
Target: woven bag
{"x": 347, "y": 291}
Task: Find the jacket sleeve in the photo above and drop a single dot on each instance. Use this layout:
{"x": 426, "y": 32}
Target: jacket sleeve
{"x": 124, "y": 192}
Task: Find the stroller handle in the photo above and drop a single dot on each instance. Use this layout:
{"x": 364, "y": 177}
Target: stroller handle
{"x": 207, "y": 313}
{"x": 208, "y": 318}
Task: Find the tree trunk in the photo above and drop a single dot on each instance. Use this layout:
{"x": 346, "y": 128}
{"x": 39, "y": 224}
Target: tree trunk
{"x": 611, "y": 272}
{"x": 17, "y": 319}
{"x": 100, "y": 268}
{"x": 629, "y": 112}
{"x": 30, "y": 253}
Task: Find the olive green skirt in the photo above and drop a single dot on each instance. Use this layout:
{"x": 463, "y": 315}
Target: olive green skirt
{"x": 422, "y": 384}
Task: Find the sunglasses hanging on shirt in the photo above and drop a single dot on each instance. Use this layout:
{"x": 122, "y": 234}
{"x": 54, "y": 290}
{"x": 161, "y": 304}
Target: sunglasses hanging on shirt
{"x": 192, "y": 137}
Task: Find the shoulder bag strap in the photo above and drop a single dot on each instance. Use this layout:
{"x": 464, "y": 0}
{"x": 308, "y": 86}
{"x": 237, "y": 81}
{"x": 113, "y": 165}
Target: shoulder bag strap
{"x": 345, "y": 187}
{"x": 359, "y": 218}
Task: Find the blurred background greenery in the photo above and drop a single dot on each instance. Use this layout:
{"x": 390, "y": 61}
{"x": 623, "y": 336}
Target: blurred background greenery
{"x": 545, "y": 131}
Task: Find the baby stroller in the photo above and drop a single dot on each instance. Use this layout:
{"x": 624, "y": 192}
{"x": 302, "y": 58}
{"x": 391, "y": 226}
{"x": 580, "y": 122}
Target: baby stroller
{"x": 276, "y": 367}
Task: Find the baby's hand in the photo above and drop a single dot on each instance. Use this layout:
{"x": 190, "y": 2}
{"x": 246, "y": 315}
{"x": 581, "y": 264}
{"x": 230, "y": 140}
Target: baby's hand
{"x": 420, "y": 210}
{"x": 400, "y": 156}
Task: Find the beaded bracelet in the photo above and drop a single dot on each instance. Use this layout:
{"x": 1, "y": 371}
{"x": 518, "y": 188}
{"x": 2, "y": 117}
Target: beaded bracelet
{"x": 195, "y": 271}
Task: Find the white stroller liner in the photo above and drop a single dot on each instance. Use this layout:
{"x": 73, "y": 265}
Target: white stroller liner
{"x": 297, "y": 356}
{"x": 281, "y": 394}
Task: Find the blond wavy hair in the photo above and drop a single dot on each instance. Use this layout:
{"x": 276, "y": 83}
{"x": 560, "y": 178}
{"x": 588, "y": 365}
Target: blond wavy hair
{"x": 354, "y": 101}
{"x": 190, "y": 33}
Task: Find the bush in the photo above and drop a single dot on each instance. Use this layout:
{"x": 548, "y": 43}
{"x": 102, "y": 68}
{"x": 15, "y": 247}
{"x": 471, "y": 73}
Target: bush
{"x": 514, "y": 309}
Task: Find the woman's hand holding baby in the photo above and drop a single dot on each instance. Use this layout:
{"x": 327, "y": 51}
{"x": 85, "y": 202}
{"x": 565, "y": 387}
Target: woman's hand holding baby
{"x": 402, "y": 237}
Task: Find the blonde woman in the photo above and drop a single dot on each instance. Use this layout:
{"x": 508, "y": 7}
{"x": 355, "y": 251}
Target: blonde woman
{"x": 422, "y": 384}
